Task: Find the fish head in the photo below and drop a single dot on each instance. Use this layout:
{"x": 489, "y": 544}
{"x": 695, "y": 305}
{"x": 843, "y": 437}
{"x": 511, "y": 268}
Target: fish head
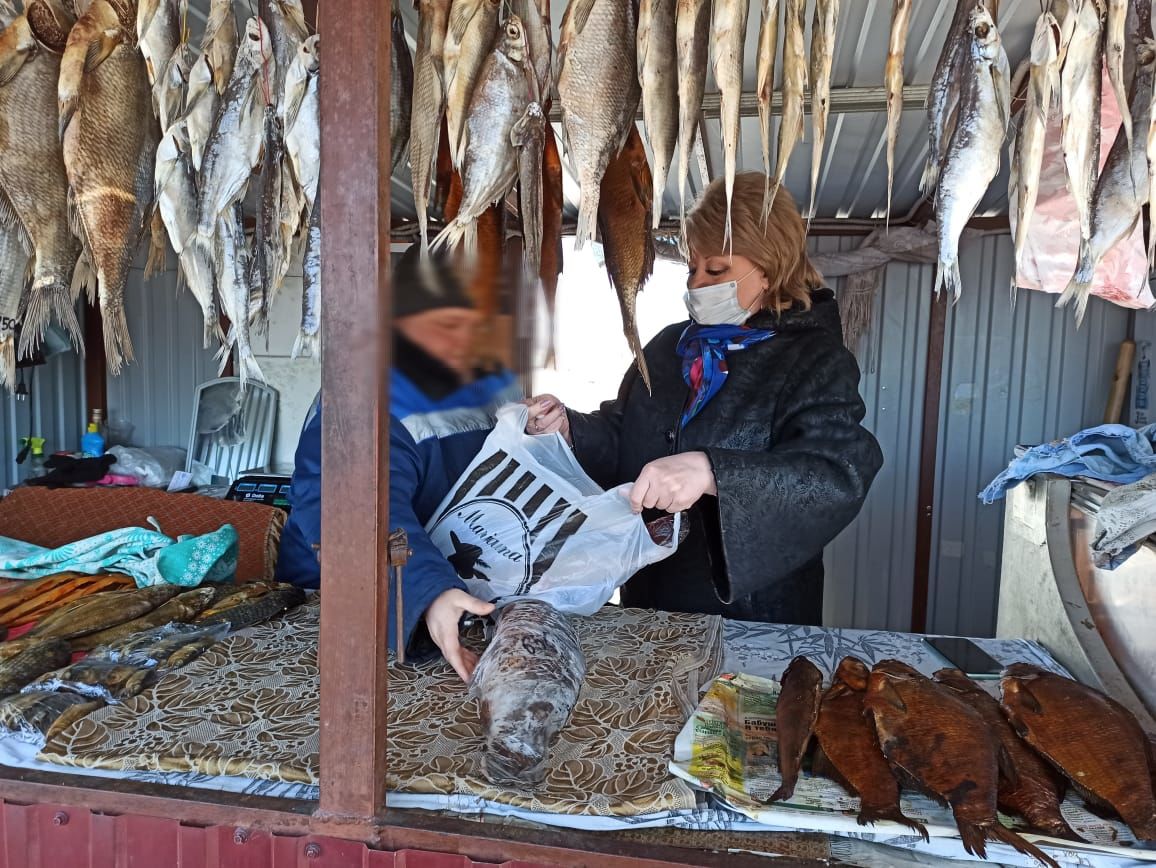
{"x": 885, "y": 688}
{"x": 1146, "y": 52}
{"x": 256, "y": 45}
{"x": 514, "y": 39}
{"x": 955, "y": 680}
{"x": 307, "y": 52}
{"x": 803, "y": 670}
{"x": 984, "y": 35}
{"x": 852, "y": 672}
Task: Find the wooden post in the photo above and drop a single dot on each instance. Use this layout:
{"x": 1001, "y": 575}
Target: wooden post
{"x": 354, "y": 196}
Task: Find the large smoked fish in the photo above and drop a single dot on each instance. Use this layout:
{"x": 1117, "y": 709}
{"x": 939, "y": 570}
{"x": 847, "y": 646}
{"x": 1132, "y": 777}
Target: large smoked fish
{"x": 527, "y": 684}
{"x": 1093, "y": 740}
{"x": 943, "y": 744}
{"x": 795, "y": 715}
{"x": 1028, "y": 786}
{"x": 847, "y": 740}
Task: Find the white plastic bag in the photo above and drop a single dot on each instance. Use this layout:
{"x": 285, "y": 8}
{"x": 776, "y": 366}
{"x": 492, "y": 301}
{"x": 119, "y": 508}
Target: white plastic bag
{"x": 524, "y": 520}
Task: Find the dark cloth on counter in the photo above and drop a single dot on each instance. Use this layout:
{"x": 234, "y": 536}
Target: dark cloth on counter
{"x": 65, "y": 470}
{"x": 792, "y": 465}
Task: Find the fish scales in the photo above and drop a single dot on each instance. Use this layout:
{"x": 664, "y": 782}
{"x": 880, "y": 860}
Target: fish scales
{"x": 35, "y": 183}
{"x": 658, "y": 78}
{"x": 18, "y": 671}
{"x": 1028, "y": 151}
{"x": 847, "y": 740}
{"x": 1093, "y": 740}
{"x": 794, "y": 85}
{"x": 490, "y": 166}
{"x": 110, "y": 156}
{"x": 597, "y": 109}
{"x": 796, "y": 711}
{"x": 1121, "y": 188}
{"x": 931, "y": 734}
{"x": 728, "y": 35}
{"x": 692, "y": 36}
{"x": 527, "y": 684}
{"x": 624, "y": 208}
{"x": 429, "y": 101}
{"x": 973, "y": 150}
{"x": 1028, "y": 786}
{"x": 822, "y": 58}
{"x": 401, "y": 90}
{"x": 893, "y": 82}
{"x": 765, "y": 75}
{"x": 473, "y": 27}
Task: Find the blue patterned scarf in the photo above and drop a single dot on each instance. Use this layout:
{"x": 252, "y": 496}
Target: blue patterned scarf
{"x": 704, "y": 350}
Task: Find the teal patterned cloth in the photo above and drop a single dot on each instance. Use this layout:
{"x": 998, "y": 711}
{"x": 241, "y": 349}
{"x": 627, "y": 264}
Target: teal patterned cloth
{"x": 149, "y": 556}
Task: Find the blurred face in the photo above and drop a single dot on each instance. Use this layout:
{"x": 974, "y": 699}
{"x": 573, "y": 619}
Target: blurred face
{"x": 447, "y": 334}
{"x": 723, "y": 268}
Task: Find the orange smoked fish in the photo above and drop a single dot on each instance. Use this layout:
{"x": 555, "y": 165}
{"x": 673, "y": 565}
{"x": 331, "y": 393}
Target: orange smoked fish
{"x": 795, "y": 716}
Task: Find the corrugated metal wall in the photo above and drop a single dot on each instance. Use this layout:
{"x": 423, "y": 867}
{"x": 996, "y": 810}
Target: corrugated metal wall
{"x": 54, "y": 409}
{"x": 155, "y": 392}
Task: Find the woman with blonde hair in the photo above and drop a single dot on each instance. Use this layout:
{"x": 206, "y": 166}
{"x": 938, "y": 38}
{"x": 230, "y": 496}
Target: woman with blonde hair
{"x": 753, "y": 425}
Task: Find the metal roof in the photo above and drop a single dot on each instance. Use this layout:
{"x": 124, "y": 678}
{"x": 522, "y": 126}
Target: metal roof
{"x": 853, "y": 180}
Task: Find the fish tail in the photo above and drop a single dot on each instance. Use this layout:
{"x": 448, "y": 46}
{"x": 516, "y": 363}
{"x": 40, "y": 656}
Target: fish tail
{"x": 588, "y": 217}
{"x": 930, "y": 177}
{"x": 450, "y": 236}
{"x": 784, "y": 792}
{"x": 47, "y": 302}
{"x": 1080, "y": 286}
{"x": 305, "y": 345}
{"x": 974, "y": 840}
{"x": 947, "y": 276}
{"x": 871, "y": 815}
{"x": 158, "y": 248}
{"x": 1004, "y": 835}
{"x": 630, "y": 329}
{"x": 117, "y": 342}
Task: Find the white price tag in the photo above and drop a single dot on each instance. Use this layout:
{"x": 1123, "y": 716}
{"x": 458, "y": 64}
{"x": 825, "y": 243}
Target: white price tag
{"x": 180, "y": 481}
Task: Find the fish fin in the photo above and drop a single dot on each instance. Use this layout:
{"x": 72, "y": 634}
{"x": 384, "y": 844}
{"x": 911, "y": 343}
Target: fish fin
{"x": 1004, "y": 835}
{"x": 461, "y": 14}
{"x": 930, "y": 177}
{"x": 973, "y": 838}
{"x": 12, "y": 62}
{"x": 580, "y": 10}
{"x": 45, "y": 303}
{"x": 100, "y": 48}
{"x": 117, "y": 342}
{"x": 870, "y": 816}
{"x": 784, "y": 792}
{"x": 8, "y": 218}
{"x": 886, "y": 693}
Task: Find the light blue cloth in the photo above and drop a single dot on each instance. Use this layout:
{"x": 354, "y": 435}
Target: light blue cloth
{"x": 149, "y": 556}
{"x": 1111, "y": 453}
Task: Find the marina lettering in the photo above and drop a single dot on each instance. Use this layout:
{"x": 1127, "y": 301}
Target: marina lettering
{"x": 474, "y": 522}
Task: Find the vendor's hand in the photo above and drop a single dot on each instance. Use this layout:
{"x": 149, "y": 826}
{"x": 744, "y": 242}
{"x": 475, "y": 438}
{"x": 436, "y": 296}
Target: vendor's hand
{"x": 673, "y": 483}
{"x": 548, "y": 416}
{"x": 442, "y": 619}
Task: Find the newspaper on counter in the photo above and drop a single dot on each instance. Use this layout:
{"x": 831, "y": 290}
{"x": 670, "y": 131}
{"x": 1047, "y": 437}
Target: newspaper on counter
{"x": 729, "y": 748}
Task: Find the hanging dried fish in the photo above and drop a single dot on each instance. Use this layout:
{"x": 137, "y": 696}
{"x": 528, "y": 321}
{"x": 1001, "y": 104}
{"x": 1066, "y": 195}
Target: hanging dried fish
{"x": 308, "y": 340}
{"x": 1115, "y": 36}
{"x": 32, "y": 173}
{"x": 658, "y": 77}
{"x": 232, "y": 260}
{"x": 1080, "y": 91}
{"x": 552, "y": 203}
{"x": 473, "y": 26}
{"x": 893, "y": 82}
{"x": 943, "y": 99}
{"x": 219, "y": 43}
{"x": 597, "y": 109}
{"x": 429, "y": 102}
{"x": 158, "y": 32}
{"x": 623, "y": 217}
{"x": 529, "y": 138}
{"x": 201, "y": 101}
{"x": 1028, "y": 153}
{"x": 822, "y": 58}
{"x": 303, "y": 146}
{"x": 1121, "y": 190}
{"x": 765, "y": 87}
{"x": 973, "y": 151}
{"x": 110, "y": 155}
{"x": 14, "y": 261}
{"x": 401, "y": 90}
{"x": 728, "y": 35}
{"x": 535, "y": 17}
{"x": 692, "y": 36}
{"x": 794, "y": 85}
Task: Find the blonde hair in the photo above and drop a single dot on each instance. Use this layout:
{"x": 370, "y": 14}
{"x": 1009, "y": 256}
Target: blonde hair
{"x": 779, "y": 248}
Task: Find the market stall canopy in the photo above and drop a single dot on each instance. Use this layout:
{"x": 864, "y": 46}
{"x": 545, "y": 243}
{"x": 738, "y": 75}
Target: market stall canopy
{"x": 853, "y": 179}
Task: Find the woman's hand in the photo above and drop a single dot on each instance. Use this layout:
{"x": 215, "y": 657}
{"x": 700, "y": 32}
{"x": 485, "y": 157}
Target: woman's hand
{"x": 442, "y": 619}
{"x": 673, "y": 483}
{"x": 548, "y": 416}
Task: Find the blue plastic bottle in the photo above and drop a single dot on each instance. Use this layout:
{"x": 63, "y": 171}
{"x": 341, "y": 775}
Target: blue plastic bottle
{"x": 92, "y": 444}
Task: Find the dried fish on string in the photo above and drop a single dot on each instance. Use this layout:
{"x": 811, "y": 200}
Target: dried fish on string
{"x": 158, "y": 31}
{"x": 473, "y": 26}
{"x": 1080, "y": 83}
{"x": 219, "y": 43}
{"x": 490, "y": 166}
{"x": 794, "y": 85}
{"x": 1114, "y": 48}
{"x": 429, "y": 103}
{"x": 658, "y": 77}
{"x": 14, "y": 262}
{"x": 303, "y": 152}
{"x": 32, "y": 173}
{"x": 110, "y": 154}
{"x": 765, "y": 86}
{"x": 170, "y": 91}
{"x": 528, "y": 137}
{"x": 728, "y": 34}
{"x": 623, "y": 218}
{"x": 943, "y": 98}
{"x": 692, "y": 37}
{"x": 1121, "y": 189}
{"x": 308, "y": 339}
{"x": 973, "y": 151}
{"x": 1028, "y": 150}
{"x": 822, "y": 57}
{"x": 893, "y": 82}
{"x": 401, "y": 90}
{"x": 201, "y": 100}
{"x": 551, "y": 254}
{"x": 535, "y": 17}
{"x": 597, "y": 109}
{"x": 234, "y": 290}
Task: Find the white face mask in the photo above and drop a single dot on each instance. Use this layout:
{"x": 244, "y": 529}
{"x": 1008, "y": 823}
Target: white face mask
{"x": 718, "y": 304}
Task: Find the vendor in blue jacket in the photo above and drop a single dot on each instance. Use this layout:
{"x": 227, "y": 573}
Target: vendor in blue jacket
{"x": 441, "y": 411}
